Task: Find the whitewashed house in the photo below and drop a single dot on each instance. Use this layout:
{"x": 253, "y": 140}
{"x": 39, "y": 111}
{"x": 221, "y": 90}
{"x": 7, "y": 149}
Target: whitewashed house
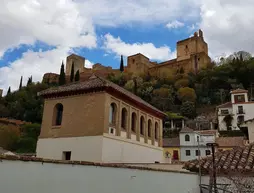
{"x": 233, "y": 113}
{"x": 194, "y": 142}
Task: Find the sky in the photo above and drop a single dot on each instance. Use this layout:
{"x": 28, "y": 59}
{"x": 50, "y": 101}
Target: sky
{"x": 37, "y": 35}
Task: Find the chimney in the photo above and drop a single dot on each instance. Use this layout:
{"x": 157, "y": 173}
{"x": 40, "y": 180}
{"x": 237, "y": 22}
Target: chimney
{"x": 1, "y": 93}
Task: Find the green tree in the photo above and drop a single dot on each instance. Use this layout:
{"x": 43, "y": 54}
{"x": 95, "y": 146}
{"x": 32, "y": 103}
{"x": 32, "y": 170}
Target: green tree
{"x": 186, "y": 94}
{"x": 20, "y": 83}
{"x": 72, "y": 72}
{"x": 77, "y": 76}
{"x": 29, "y": 81}
{"x": 181, "y": 83}
{"x": 121, "y": 64}
{"x": 188, "y": 109}
{"x": 62, "y": 75}
{"x": 9, "y": 90}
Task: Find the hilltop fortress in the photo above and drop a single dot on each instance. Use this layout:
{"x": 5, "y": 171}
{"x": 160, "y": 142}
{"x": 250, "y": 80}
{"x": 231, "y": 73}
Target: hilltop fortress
{"x": 192, "y": 55}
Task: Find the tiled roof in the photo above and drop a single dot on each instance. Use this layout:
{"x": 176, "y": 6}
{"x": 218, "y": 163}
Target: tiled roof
{"x": 171, "y": 142}
{"x": 238, "y": 91}
{"x": 187, "y": 130}
{"x": 239, "y": 159}
{"x": 230, "y": 141}
{"x": 93, "y": 83}
{"x": 207, "y": 132}
{"x": 13, "y": 121}
{"x": 225, "y": 105}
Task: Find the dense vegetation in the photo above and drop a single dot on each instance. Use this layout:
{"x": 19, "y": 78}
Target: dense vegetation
{"x": 170, "y": 91}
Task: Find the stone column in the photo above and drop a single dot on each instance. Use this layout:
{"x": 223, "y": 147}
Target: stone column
{"x": 146, "y": 130}
{"x": 172, "y": 124}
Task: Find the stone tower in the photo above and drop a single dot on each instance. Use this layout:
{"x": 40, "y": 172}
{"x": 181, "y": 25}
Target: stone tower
{"x": 194, "y": 49}
{"x": 78, "y": 61}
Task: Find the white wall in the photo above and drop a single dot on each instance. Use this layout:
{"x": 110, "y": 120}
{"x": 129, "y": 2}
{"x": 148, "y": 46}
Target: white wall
{"x": 107, "y": 148}
{"x": 193, "y": 138}
{"x": 193, "y": 152}
{"x": 82, "y": 148}
{"x": 121, "y": 150}
{"x": 60, "y": 178}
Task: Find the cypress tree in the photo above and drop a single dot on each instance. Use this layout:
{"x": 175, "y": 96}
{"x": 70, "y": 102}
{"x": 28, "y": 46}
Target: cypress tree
{"x": 72, "y": 72}
{"x": 29, "y": 81}
{"x": 20, "y": 84}
{"x": 9, "y": 90}
{"x": 121, "y": 64}
{"x": 62, "y": 75}
{"x": 77, "y": 77}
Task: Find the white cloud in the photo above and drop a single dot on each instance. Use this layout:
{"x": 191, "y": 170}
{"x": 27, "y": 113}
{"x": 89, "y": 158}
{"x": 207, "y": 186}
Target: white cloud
{"x": 175, "y": 24}
{"x": 119, "y": 47}
{"x": 227, "y": 25}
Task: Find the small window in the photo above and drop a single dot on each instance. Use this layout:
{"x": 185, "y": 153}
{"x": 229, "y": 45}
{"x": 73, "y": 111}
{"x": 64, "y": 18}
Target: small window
{"x": 197, "y": 152}
{"x": 133, "y": 60}
{"x": 207, "y": 152}
{"x": 198, "y": 59}
{"x": 187, "y": 138}
{"x": 58, "y": 114}
{"x": 198, "y": 139}
{"x": 224, "y": 112}
{"x": 67, "y": 155}
{"x": 187, "y": 152}
{"x": 186, "y": 46}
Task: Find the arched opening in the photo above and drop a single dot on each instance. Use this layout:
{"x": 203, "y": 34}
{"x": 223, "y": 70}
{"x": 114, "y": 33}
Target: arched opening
{"x": 124, "y": 118}
{"x": 156, "y": 131}
{"x": 133, "y": 122}
{"x": 112, "y": 114}
{"x": 142, "y": 125}
{"x": 187, "y": 138}
{"x": 149, "y": 128}
{"x": 58, "y": 114}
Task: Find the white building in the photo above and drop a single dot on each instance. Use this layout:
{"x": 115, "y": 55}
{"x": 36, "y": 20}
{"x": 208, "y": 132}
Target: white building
{"x": 233, "y": 113}
{"x": 192, "y": 142}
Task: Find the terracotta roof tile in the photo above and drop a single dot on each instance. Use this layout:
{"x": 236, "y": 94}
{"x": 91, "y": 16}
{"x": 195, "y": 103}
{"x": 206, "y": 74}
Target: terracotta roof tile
{"x": 230, "y": 141}
{"x": 225, "y": 105}
{"x": 93, "y": 83}
{"x": 186, "y": 130}
{"x": 207, "y": 132}
{"x": 13, "y": 121}
{"x": 239, "y": 159}
{"x": 171, "y": 142}
{"x": 238, "y": 91}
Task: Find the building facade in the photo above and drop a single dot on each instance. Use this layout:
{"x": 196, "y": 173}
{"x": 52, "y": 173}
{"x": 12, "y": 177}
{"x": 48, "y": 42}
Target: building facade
{"x": 171, "y": 149}
{"x": 99, "y": 121}
{"x": 232, "y": 114}
{"x": 193, "y": 143}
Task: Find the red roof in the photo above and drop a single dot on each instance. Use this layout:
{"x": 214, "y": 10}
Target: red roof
{"x": 238, "y": 159}
{"x": 186, "y": 130}
{"x": 207, "y": 132}
{"x": 171, "y": 142}
{"x": 96, "y": 83}
{"x": 13, "y": 121}
{"x": 238, "y": 91}
{"x": 225, "y": 105}
{"x": 230, "y": 141}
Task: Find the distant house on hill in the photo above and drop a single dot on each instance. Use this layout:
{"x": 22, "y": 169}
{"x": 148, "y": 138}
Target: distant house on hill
{"x": 232, "y": 115}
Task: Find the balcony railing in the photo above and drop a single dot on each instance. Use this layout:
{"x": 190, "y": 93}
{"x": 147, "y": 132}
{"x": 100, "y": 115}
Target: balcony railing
{"x": 240, "y": 112}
